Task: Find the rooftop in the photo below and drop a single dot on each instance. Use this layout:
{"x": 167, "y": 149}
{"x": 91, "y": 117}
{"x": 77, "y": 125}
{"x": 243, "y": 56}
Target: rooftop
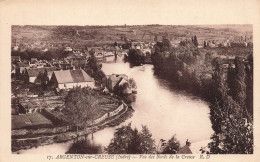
{"x": 33, "y": 72}
{"x": 72, "y": 76}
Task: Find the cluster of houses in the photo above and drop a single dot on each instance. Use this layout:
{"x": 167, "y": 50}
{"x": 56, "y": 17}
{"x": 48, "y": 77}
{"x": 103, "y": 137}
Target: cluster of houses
{"x": 62, "y": 74}
{"x": 59, "y": 75}
{"x": 227, "y": 43}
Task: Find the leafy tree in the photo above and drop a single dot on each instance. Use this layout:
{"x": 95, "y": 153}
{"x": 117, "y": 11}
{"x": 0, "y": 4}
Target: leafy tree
{"x": 93, "y": 64}
{"x": 167, "y": 44}
{"x": 249, "y": 83}
{"x": 135, "y": 143}
{"x": 172, "y": 146}
{"x": 239, "y": 83}
{"x": 135, "y": 57}
{"x": 81, "y": 106}
{"x": 44, "y": 79}
{"x": 98, "y": 76}
{"x": 147, "y": 145}
{"x": 120, "y": 90}
{"x": 236, "y": 133}
{"x": 230, "y": 79}
{"x": 121, "y": 140}
{"x": 219, "y": 80}
{"x": 84, "y": 147}
{"x": 196, "y": 41}
{"x": 205, "y": 44}
{"x": 233, "y": 133}
{"x": 129, "y": 141}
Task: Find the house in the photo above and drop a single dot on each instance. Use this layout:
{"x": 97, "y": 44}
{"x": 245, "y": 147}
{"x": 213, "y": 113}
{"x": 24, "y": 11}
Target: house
{"x": 115, "y": 79}
{"x": 32, "y": 73}
{"x": 70, "y": 78}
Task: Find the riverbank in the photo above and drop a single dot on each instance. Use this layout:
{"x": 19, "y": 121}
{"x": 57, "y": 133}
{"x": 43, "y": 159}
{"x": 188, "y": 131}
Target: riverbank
{"x": 28, "y": 143}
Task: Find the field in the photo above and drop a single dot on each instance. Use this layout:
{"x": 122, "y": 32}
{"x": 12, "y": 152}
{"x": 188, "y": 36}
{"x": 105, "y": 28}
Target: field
{"x": 29, "y": 120}
{"x": 81, "y": 36}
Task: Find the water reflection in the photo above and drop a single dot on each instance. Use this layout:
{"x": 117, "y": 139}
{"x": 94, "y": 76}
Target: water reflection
{"x": 159, "y": 106}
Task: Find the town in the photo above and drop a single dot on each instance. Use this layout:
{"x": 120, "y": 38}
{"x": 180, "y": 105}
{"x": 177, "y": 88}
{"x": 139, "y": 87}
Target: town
{"x": 61, "y": 91}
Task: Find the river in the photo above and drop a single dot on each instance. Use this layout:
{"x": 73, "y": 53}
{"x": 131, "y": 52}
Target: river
{"x": 163, "y": 109}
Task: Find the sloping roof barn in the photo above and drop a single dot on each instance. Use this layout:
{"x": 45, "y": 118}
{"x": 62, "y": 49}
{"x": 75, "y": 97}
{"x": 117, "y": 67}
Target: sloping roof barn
{"x": 72, "y": 76}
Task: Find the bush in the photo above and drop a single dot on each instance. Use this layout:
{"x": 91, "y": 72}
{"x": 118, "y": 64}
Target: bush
{"x": 84, "y": 147}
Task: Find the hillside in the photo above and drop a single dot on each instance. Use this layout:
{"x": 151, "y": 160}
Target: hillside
{"x": 82, "y": 36}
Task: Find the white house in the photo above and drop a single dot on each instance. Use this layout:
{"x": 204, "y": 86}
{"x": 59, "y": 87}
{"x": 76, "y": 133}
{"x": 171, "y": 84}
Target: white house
{"x": 67, "y": 79}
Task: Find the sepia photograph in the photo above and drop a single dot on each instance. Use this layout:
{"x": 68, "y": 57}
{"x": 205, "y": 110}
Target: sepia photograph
{"x": 132, "y": 89}
{"x": 127, "y": 80}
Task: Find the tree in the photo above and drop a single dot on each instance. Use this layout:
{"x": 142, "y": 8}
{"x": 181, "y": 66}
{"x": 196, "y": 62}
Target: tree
{"x": 120, "y": 90}
{"x": 80, "y": 106}
{"x": 93, "y": 64}
{"x": 98, "y": 76}
{"x": 172, "y": 146}
{"x": 205, "y": 44}
{"x": 121, "y": 140}
{"x": 135, "y": 57}
{"x": 230, "y": 79}
{"x": 239, "y": 83}
{"x": 147, "y": 145}
{"x": 167, "y": 44}
{"x": 129, "y": 141}
{"x": 219, "y": 80}
{"x": 44, "y": 79}
{"x": 236, "y": 133}
{"x": 132, "y": 83}
{"x": 135, "y": 143}
{"x": 249, "y": 85}
{"x": 196, "y": 41}
{"x": 84, "y": 147}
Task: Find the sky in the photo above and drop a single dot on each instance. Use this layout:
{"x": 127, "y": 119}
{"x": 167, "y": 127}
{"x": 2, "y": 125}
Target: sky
{"x": 134, "y": 12}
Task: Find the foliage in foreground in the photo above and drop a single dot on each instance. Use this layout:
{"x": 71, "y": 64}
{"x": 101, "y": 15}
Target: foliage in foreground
{"x": 80, "y": 106}
{"x": 130, "y": 141}
{"x": 230, "y": 93}
{"x": 84, "y": 147}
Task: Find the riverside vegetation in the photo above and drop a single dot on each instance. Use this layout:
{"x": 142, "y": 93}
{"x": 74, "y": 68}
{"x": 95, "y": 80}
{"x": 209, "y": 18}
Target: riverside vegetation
{"x": 230, "y": 93}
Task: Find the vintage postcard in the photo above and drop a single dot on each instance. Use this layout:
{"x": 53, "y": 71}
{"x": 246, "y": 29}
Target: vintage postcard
{"x": 129, "y": 80}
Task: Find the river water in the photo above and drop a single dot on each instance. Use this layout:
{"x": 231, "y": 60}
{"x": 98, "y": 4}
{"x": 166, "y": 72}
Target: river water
{"x": 163, "y": 109}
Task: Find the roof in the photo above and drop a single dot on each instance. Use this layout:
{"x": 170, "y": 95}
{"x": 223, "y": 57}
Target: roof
{"x": 185, "y": 150}
{"x": 117, "y": 77}
{"x": 33, "y": 72}
{"x": 72, "y": 76}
